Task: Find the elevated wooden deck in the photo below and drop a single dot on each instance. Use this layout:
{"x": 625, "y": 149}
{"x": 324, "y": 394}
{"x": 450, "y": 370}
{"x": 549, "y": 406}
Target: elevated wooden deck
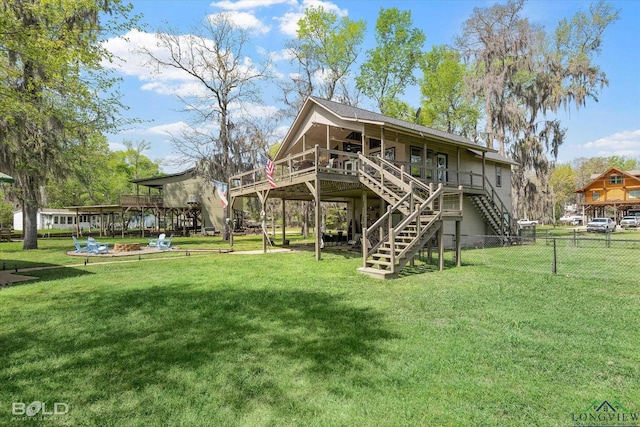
{"x": 337, "y": 173}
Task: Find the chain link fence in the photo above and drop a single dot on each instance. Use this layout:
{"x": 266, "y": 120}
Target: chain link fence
{"x": 610, "y": 257}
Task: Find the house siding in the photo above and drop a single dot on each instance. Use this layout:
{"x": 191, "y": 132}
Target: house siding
{"x": 176, "y": 195}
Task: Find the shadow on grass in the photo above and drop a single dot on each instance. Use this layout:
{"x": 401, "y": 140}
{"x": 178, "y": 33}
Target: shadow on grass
{"x": 39, "y": 271}
{"x": 248, "y": 347}
{"x": 12, "y": 264}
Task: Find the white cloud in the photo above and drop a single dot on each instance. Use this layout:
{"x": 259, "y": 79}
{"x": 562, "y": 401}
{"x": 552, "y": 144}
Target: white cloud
{"x": 250, "y": 4}
{"x": 175, "y": 128}
{"x": 281, "y": 132}
{"x": 260, "y": 111}
{"x": 131, "y": 61}
{"x": 117, "y": 146}
{"x": 280, "y": 55}
{"x": 626, "y": 143}
{"x": 161, "y": 87}
{"x": 246, "y": 21}
{"x": 289, "y": 21}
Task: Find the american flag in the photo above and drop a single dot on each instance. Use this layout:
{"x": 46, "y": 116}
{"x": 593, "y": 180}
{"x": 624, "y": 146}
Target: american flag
{"x": 221, "y": 189}
{"x": 269, "y": 168}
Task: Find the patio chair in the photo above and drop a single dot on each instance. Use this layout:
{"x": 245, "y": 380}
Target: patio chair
{"x": 96, "y": 247}
{"x": 154, "y": 242}
{"x": 165, "y": 244}
{"x": 79, "y": 246}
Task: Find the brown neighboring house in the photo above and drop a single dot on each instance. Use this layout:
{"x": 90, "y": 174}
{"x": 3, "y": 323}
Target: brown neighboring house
{"x": 611, "y": 193}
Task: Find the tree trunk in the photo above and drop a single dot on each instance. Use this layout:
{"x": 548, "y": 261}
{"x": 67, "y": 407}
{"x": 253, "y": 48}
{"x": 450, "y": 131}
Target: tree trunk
{"x": 489, "y": 114}
{"x": 305, "y": 219}
{"x": 30, "y": 219}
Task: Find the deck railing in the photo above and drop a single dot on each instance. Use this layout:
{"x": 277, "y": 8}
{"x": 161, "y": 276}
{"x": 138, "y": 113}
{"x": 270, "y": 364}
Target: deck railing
{"x": 147, "y": 200}
{"x": 321, "y": 160}
{"x": 311, "y": 161}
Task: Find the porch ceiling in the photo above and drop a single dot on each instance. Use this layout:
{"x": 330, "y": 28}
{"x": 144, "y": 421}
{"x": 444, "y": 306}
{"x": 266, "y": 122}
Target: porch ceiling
{"x": 330, "y": 191}
{"x": 317, "y": 134}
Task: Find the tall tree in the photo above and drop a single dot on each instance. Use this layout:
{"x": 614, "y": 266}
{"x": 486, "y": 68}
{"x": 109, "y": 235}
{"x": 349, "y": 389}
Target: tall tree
{"x": 563, "y": 185}
{"x": 525, "y": 76}
{"x": 389, "y": 67}
{"x": 499, "y": 43}
{"x": 56, "y": 97}
{"x": 446, "y": 102}
{"x": 101, "y": 177}
{"x": 325, "y": 49}
{"x": 214, "y": 56}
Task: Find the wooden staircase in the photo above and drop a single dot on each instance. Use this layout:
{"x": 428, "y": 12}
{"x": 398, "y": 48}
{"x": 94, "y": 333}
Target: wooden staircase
{"x": 387, "y": 248}
{"x": 495, "y": 214}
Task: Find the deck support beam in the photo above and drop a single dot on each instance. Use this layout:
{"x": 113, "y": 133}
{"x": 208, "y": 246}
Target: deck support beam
{"x": 315, "y": 192}
{"x": 284, "y": 220}
{"x": 441, "y": 248}
{"x": 458, "y": 244}
{"x": 263, "y": 196}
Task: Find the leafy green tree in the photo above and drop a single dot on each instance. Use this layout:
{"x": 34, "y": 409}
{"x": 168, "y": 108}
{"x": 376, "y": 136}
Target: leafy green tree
{"x": 446, "y": 102}
{"x": 325, "y": 50}
{"x": 389, "y": 67}
{"x": 56, "y": 97}
{"x": 103, "y": 177}
{"x": 563, "y": 184}
{"x": 6, "y": 209}
{"x": 586, "y": 168}
{"x": 525, "y": 76}
{"x": 401, "y": 110}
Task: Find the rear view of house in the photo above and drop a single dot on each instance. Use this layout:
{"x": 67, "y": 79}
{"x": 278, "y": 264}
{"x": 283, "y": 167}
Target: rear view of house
{"x": 404, "y": 184}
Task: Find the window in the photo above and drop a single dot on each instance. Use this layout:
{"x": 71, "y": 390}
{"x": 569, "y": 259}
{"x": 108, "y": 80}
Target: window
{"x": 55, "y": 219}
{"x": 498, "y": 175}
{"x": 428, "y": 164}
{"x": 634, "y": 194}
{"x": 374, "y": 143}
{"x": 442, "y": 161}
{"x": 416, "y": 162}
{"x": 69, "y": 220}
{"x": 615, "y": 179}
{"x": 354, "y": 136}
{"x": 351, "y": 148}
{"x": 595, "y": 195}
{"x": 390, "y": 153}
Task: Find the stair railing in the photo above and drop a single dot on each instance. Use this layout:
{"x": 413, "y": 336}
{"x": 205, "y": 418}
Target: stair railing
{"x": 417, "y": 214}
{"x": 382, "y": 226}
{"x": 505, "y": 214}
{"x": 392, "y": 174}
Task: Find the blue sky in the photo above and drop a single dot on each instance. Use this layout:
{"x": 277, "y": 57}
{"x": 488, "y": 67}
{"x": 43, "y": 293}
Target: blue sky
{"x": 608, "y": 127}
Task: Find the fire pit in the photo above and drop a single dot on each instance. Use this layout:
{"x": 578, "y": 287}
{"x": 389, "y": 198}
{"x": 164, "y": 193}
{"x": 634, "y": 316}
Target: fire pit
{"x": 126, "y": 247}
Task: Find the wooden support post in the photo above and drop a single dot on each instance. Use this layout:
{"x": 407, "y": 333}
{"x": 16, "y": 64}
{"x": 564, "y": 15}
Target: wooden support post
{"x": 317, "y": 214}
{"x": 441, "y": 247}
{"x": 458, "y": 244}
{"x": 365, "y": 226}
{"x": 262, "y": 196}
{"x": 284, "y": 213}
{"x": 230, "y": 223}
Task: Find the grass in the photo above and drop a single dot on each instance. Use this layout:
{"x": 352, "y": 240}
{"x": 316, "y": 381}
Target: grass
{"x": 222, "y": 339}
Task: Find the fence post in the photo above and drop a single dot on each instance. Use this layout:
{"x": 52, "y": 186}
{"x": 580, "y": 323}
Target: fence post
{"x": 554, "y": 265}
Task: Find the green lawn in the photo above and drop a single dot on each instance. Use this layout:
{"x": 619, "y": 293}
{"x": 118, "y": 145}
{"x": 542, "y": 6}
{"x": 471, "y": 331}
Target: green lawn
{"x": 280, "y": 339}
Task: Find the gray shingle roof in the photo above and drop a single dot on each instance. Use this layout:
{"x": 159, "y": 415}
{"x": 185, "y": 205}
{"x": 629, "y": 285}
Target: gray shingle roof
{"x": 349, "y": 112}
